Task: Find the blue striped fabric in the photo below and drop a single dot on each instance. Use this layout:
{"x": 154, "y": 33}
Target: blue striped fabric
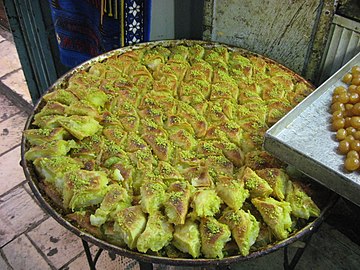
{"x": 87, "y": 28}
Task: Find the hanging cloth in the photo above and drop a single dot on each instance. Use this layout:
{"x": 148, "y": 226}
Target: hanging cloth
{"x": 87, "y": 28}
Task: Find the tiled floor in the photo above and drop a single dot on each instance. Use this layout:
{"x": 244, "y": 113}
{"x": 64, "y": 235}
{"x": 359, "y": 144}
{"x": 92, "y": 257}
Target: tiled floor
{"x": 30, "y": 239}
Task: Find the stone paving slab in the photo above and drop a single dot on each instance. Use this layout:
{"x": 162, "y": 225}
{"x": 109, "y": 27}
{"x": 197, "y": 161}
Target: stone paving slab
{"x": 330, "y": 249}
{"x": 11, "y": 173}
{"x": 28, "y": 189}
{"x": 9, "y": 58}
{"x": 56, "y": 242}
{"x": 327, "y": 250}
{"x": 107, "y": 261}
{"x": 22, "y": 255}
{"x": 18, "y": 213}
{"x": 11, "y": 131}
{"x": 6, "y": 233}
{"x": 17, "y": 83}
{"x": 6, "y": 35}
{"x": 3, "y": 264}
{"x": 7, "y": 108}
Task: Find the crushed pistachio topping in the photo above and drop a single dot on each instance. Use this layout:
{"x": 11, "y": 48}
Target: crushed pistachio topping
{"x": 127, "y": 106}
{"x": 209, "y": 147}
{"x": 150, "y": 102}
{"x": 136, "y": 140}
{"x": 187, "y": 155}
{"x": 167, "y": 169}
{"x": 197, "y": 99}
{"x": 252, "y": 183}
{"x": 196, "y": 73}
{"x": 233, "y": 217}
{"x": 159, "y": 112}
{"x": 118, "y": 133}
{"x": 221, "y": 160}
{"x": 175, "y": 119}
{"x": 233, "y": 126}
{"x": 212, "y": 227}
{"x": 216, "y": 108}
{"x": 161, "y": 141}
{"x": 112, "y": 147}
{"x": 155, "y": 187}
{"x": 230, "y": 146}
{"x": 150, "y": 123}
{"x": 277, "y": 113}
{"x": 77, "y": 181}
{"x": 155, "y": 112}
{"x": 212, "y": 56}
{"x": 44, "y": 132}
{"x": 143, "y": 154}
{"x": 203, "y": 84}
{"x": 176, "y": 196}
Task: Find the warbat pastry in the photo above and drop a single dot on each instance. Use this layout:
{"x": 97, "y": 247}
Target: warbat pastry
{"x": 160, "y": 148}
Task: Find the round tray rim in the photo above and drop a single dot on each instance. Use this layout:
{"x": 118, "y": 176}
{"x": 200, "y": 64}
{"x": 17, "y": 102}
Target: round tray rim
{"x": 33, "y": 182}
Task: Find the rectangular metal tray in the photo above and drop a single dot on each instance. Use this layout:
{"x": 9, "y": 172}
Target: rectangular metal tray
{"x": 303, "y": 138}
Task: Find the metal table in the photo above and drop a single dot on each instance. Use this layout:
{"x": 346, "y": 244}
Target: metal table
{"x": 304, "y": 139}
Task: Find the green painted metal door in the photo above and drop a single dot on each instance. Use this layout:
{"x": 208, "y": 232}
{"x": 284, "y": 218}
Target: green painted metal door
{"x": 33, "y": 33}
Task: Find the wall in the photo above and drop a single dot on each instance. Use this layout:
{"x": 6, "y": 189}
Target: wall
{"x": 176, "y": 19}
{"x": 291, "y": 32}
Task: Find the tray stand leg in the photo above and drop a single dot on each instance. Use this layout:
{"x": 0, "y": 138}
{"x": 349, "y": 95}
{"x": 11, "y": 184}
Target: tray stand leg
{"x": 145, "y": 265}
{"x": 306, "y": 240}
{"x": 91, "y": 261}
{"x": 299, "y": 252}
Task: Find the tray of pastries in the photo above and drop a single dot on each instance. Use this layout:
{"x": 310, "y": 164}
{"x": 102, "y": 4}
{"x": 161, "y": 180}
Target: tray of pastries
{"x": 157, "y": 149}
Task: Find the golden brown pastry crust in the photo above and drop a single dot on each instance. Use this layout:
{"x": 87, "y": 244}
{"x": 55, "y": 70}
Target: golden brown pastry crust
{"x": 187, "y": 117}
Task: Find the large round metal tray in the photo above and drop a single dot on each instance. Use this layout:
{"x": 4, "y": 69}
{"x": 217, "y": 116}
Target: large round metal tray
{"x": 322, "y": 196}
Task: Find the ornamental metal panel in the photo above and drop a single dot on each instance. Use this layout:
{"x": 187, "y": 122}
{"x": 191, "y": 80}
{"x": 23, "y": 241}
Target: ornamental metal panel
{"x": 343, "y": 45}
